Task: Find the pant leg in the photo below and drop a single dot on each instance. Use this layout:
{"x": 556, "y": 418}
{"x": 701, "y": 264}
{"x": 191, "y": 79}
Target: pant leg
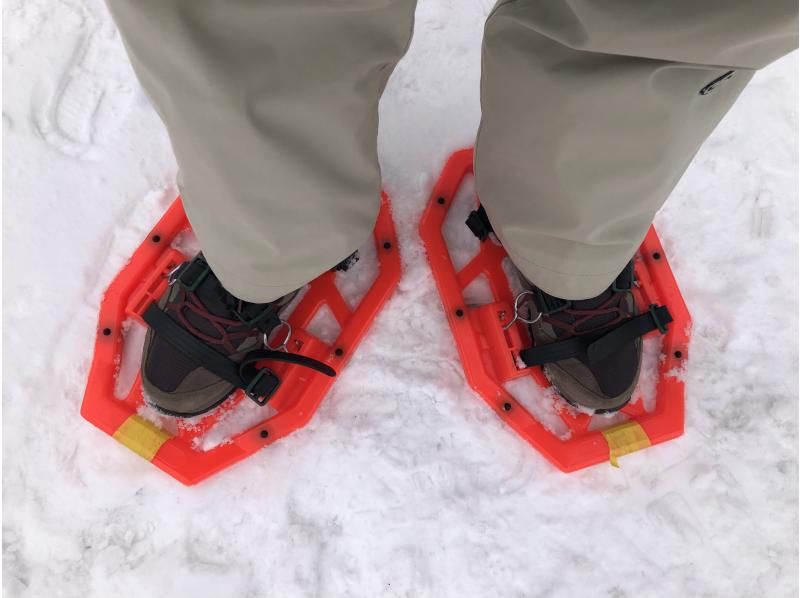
{"x": 593, "y": 110}
{"x": 272, "y": 110}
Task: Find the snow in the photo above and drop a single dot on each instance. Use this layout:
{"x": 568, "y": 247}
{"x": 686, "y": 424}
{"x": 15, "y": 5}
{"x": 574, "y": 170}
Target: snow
{"x": 404, "y": 483}
{"x": 133, "y": 338}
{"x": 354, "y": 283}
{"x": 540, "y": 403}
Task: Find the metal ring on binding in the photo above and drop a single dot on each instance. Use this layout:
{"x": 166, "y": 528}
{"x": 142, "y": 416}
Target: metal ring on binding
{"x": 516, "y": 317}
{"x": 284, "y": 345}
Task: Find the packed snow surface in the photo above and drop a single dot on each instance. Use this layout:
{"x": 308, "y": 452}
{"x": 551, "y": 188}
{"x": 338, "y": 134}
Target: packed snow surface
{"x": 404, "y": 483}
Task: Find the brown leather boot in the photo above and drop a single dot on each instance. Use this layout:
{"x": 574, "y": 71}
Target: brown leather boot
{"x": 591, "y": 349}
{"x": 203, "y": 344}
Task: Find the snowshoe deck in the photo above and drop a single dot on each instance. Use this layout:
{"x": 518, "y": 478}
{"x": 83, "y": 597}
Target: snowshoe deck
{"x": 490, "y": 353}
{"x": 144, "y": 280}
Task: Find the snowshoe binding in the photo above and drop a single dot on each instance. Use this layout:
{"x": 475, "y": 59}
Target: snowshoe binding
{"x": 221, "y": 378}
{"x": 591, "y": 349}
{"x": 565, "y": 375}
{"x": 590, "y": 367}
{"x": 203, "y": 343}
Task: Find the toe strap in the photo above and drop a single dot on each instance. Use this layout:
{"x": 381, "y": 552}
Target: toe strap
{"x": 597, "y": 347}
{"x": 259, "y": 384}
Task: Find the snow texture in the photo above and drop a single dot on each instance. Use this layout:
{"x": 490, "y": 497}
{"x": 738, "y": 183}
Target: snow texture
{"x": 404, "y": 483}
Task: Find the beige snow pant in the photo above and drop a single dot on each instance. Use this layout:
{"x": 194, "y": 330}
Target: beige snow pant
{"x": 592, "y": 110}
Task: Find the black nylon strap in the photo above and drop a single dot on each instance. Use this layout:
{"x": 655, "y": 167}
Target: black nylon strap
{"x": 625, "y": 280}
{"x": 191, "y": 346}
{"x": 191, "y": 275}
{"x": 478, "y": 223}
{"x": 597, "y": 347}
{"x": 194, "y": 274}
{"x": 258, "y": 383}
{"x": 254, "y": 315}
{"x": 557, "y": 351}
{"x": 655, "y": 319}
{"x": 254, "y": 356}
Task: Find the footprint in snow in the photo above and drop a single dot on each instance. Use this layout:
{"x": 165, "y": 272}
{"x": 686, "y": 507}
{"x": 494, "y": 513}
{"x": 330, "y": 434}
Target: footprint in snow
{"x": 89, "y": 99}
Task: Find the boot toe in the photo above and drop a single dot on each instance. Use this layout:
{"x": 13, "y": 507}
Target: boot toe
{"x": 175, "y": 385}
{"x": 603, "y": 388}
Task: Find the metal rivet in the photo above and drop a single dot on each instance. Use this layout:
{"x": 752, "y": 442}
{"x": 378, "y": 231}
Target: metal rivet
{"x": 387, "y": 245}
{"x": 678, "y": 354}
{"x": 263, "y": 434}
{"x": 440, "y": 201}
{"x": 156, "y": 238}
{"x": 506, "y": 406}
{"x": 656, "y": 255}
{"x": 459, "y": 313}
{"x": 339, "y": 351}
{"x": 106, "y": 331}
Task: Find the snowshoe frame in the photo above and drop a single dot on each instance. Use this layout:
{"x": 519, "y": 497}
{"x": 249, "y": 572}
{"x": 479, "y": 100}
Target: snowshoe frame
{"x": 489, "y": 353}
{"x": 144, "y": 279}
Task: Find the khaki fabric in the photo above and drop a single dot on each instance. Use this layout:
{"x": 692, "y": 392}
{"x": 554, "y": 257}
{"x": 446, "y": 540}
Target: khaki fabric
{"x": 591, "y": 113}
{"x": 272, "y": 110}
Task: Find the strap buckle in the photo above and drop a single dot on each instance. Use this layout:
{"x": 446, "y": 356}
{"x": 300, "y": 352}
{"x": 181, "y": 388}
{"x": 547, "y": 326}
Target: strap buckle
{"x": 263, "y": 385}
{"x": 660, "y": 324}
{"x": 192, "y": 274}
{"x": 625, "y": 281}
{"x": 265, "y": 320}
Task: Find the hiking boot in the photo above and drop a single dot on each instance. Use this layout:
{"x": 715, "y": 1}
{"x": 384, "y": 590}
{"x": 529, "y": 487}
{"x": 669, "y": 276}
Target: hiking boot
{"x": 179, "y": 375}
{"x": 564, "y": 335}
{"x": 589, "y": 349}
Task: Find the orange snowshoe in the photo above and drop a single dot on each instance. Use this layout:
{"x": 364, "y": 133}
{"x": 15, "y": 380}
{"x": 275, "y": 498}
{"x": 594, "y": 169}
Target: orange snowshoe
{"x": 482, "y": 297}
{"x": 192, "y": 448}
